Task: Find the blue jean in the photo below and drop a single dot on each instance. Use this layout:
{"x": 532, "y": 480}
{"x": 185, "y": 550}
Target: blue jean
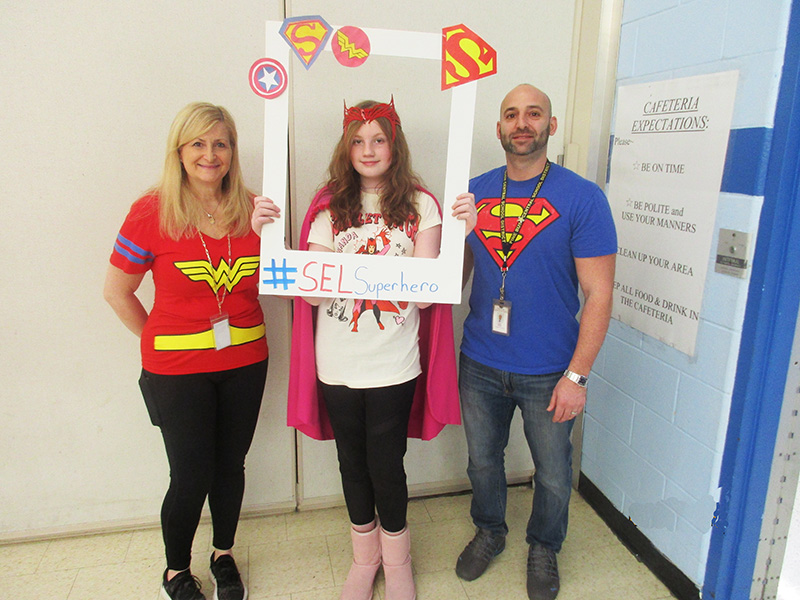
{"x": 488, "y": 400}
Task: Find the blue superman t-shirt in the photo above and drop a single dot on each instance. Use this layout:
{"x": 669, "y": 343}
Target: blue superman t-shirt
{"x": 569, "y": 219}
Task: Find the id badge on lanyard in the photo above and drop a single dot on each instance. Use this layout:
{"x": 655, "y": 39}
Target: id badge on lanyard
{"x": 222, "y": 331}
{"x": 501, "y": 311}
{"x": 220, "y": 324}
{"x": 501, "y": 316}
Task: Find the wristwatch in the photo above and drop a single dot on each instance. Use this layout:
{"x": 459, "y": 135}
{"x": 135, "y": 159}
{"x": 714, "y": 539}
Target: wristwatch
{"x": 581, "y": 380}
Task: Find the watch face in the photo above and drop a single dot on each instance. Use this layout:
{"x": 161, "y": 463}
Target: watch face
{"x": 581, "y": 380}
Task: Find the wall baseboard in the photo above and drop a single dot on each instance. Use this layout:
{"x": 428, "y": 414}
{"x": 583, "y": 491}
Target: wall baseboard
{"x": 421, "y": 490}
{"x": 122, "y": 525}
{"x": 637, "y": 543}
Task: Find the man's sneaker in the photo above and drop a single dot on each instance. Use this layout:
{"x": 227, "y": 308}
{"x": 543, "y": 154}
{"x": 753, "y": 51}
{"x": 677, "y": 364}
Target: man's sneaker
{"x": 184, "y": 586}
{"x": 543, "y": 581}
{"x": 227, "y": 581}
{"x": 479, "y": 553}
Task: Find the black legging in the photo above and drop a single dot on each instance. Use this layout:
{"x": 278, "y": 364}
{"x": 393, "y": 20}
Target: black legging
{"x": 207, "y": 421}
{"x": 371, "y": 428}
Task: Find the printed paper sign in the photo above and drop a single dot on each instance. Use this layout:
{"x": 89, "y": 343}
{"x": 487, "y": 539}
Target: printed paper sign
{"x": 670, "y": 140}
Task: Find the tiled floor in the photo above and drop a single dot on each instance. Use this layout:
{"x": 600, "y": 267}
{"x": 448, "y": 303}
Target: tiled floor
{"x": 306, "y": 555}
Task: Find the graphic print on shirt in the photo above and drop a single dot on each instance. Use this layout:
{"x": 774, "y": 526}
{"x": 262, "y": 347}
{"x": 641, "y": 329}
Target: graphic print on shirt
{"x": 337, "y": 309}
{"x": 540, "y": 216}
{"x": 222, "y": 275}
{"x": 377, "y": 307}
{"x": 379, "y": 245}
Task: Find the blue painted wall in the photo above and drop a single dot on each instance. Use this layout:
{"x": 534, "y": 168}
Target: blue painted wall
{"x": 656, "y": 419}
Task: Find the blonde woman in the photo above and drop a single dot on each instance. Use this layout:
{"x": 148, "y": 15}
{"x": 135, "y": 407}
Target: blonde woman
{"x": 203, "y": 344}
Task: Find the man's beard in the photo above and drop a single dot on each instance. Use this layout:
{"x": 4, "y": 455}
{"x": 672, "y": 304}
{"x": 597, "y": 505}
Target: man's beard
{"x": 537, "y": 143}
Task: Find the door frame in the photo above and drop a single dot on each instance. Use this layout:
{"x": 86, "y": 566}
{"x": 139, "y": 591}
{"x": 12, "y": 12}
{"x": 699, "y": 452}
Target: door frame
{"x": 765, "y": 350}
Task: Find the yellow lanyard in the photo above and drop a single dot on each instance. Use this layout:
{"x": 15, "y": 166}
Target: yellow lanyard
{"x": 504, "y": 239}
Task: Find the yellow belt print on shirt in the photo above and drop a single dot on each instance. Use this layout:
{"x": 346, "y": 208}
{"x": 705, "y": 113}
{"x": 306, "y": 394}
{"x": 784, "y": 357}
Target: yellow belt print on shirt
{"x": 222, "y": 275}
{"x": 204, "y": 340}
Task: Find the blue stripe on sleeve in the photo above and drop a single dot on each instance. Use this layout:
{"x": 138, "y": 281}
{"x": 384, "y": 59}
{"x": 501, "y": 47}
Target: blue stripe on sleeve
{"x": 131, "y": 251}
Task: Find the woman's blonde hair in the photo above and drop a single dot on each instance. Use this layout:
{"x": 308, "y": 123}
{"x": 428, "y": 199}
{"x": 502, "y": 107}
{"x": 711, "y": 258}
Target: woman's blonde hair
{"x": 399, "y": 187}
{"x": 180, "y": 212}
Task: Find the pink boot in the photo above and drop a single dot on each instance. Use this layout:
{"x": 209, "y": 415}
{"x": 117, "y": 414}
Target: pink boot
{"x": 366, "y": 560}
{"x": 396, "y": 550}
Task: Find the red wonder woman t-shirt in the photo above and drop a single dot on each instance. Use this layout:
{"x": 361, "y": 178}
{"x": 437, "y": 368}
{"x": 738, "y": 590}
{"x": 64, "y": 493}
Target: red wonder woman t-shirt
{"x": 178, "y": 338}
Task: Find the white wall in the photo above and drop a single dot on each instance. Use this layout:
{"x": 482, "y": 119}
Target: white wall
{"x": 88, "y": 93}
{"x": 656, "y": 419}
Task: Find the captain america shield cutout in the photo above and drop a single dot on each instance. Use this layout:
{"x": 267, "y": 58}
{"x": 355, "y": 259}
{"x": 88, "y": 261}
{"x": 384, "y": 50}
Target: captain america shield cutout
{"x": 268, "y": 78}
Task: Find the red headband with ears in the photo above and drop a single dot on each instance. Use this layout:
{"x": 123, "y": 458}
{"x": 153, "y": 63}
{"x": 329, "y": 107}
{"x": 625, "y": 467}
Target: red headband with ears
{"x": 367, "y": 115}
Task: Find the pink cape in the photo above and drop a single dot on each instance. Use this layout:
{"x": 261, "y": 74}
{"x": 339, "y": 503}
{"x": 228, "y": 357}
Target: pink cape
{"x": 436, "y": 397}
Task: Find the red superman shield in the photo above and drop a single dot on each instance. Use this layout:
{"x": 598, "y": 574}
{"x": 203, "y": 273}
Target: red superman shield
{"x": 541, "y": 215}
{"x": 465, "y": 56}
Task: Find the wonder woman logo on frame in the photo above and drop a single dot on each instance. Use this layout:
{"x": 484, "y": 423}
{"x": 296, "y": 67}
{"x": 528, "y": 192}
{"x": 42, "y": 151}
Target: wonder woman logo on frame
{"x": 306, "y": 37}
{"x": 350, "y": 46}
{"x": 465, "y": 56}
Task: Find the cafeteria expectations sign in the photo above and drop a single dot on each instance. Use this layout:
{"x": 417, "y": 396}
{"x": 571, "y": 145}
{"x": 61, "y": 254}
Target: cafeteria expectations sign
{"x": 668, "y": 154}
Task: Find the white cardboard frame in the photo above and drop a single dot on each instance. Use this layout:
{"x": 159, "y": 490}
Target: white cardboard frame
{"x": 336, "y": 275}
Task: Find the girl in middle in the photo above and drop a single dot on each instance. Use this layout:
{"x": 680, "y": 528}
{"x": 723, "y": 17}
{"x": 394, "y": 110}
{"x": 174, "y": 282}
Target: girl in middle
{"x": 370, "y": 373}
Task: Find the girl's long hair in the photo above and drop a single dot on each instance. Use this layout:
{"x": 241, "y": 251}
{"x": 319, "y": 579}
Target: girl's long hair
{"x": 397, "y": 192}
{"x": 180, "y": 212}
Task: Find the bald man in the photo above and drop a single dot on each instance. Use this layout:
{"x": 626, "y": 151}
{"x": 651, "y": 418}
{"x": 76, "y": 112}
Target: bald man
{"x": 543, "y": 232}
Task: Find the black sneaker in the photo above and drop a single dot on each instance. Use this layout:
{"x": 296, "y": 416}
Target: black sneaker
{"x": 184, "y": 586}
{"x": 543, "y": 580}
{"x": 227, "y": 581}
{"x": 476, "y": 557}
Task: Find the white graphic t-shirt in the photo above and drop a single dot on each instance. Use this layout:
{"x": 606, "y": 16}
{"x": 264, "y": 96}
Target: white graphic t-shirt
{"x": 369, "y": 343}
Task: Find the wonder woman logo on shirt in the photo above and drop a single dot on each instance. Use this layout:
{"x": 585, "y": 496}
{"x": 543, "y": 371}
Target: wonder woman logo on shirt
{"x": 541, "y": 215}
{"x": 201, "y": 270}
